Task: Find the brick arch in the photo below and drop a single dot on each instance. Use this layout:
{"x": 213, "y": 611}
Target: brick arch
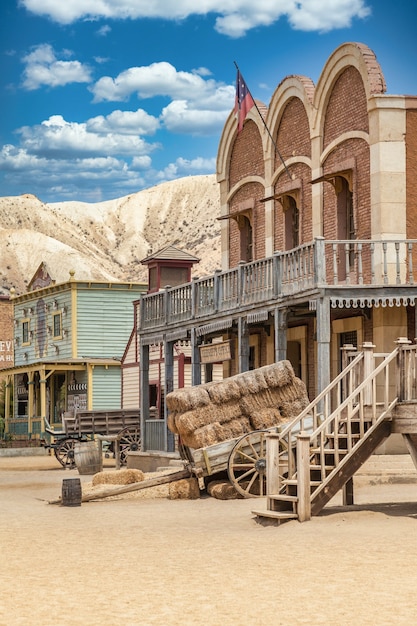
{"x": 348, "y": 55}
{"x": 247, "y": 155}
{"x": 346, "y": 108}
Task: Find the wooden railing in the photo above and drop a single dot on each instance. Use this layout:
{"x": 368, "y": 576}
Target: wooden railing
{"x": 335, "y": 424}
{"x": 342, "y": 263}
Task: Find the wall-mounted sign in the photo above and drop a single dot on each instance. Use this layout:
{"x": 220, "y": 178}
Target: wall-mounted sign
{"x": 215, "y": 352}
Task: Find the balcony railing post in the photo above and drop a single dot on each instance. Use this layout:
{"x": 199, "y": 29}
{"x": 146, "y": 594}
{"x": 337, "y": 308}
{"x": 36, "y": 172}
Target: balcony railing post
{"x": 194, "y": 296}
{"x": 240, "y": 281}
{"x": 320, "y": 261}
{"x": 217, "y": 290}
{"x": 277, "y": 274}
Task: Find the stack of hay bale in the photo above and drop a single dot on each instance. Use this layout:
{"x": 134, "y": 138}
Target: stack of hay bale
{"x": 214, "y": 412}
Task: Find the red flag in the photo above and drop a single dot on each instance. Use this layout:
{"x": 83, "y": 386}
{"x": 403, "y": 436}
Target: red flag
{"x": 243, "y": 100}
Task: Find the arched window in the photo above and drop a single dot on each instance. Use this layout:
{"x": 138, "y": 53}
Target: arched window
{"x": 345, "y": 224}
{"x": 246, "y": 241}
{"x": 291, "y": 222}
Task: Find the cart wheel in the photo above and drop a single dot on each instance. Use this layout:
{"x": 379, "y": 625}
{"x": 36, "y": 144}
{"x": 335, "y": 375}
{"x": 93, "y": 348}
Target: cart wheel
{"x": 247, "y": 464}
{"x": 64, "y": 452}
{"x": 129, "y": 441}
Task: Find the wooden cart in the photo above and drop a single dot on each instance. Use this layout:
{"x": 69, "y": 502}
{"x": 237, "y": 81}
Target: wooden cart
{"x": 120, "y": 426}
{"x": 243, "y": 458}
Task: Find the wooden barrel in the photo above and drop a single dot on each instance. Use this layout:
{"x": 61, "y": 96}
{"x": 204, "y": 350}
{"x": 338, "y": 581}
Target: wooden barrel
{"x": 71, "y": 492}
{"x": 87, "y": 457}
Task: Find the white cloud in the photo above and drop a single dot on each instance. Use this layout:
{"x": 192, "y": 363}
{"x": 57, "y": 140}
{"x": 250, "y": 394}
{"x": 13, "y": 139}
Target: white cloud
{"x": 234, "y": 17}
{"x": 185, "y": 167}
{"x": 178, "y": 117}
{"x": 124, "y": 123}
{"x": 57, "y": 138}
{"x": 163, "y": 79}
{"x": 104, "y": 30}
{"x": 43, "y": 68}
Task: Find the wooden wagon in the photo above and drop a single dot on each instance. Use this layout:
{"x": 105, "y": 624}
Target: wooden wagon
{"x": 243, "y": 459}
{"x": 120, "y": 427}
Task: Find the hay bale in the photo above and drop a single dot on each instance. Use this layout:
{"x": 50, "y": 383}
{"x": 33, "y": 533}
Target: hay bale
{"x": 235, "y": 428}
{"x": 248, "y": 383}
{"x": 262, "y": 400}
{"x": 171, "y": 422}
{"x": 224, "y": 391}
{"x": 289, "y": 410}
{"x": 185, "y": 489}
{"x": 205, "y": 436}
{"x": 265, "y": 418}
{"x": 187, "y": 398}
{"x": 190, "y": 421}
{"x": 278, "y": 374}
{"x": 222, "y": 490}
{"x": 118, "y": 477}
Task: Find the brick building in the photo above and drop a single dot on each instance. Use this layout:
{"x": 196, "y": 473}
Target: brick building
{"x": 6, "y": 333}
{"x": 319, "y": 230}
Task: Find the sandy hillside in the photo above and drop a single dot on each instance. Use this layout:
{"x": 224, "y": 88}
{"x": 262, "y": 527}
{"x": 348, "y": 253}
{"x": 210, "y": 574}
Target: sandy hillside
{"x": 107, "y": 240}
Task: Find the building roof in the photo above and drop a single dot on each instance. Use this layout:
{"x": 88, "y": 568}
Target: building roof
{"x": 170, "y": 253}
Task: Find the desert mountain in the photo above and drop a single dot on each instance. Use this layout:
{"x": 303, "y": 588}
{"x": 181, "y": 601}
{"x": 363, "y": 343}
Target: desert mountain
{"x": 108, "y": 240}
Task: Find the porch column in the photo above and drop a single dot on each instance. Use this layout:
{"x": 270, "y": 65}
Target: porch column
{"x": 280, "y": 328}
{"x": 42, "y": 389}
{"x": 31, "y": 402}
{"x": 323, "y": 343}
{"x": 143, "y": 389}
{"x": 168, "y": 384}
{"x": 195, "y": 359}
{"x": 9, "y": 386}
{"x": 243, "y": 345}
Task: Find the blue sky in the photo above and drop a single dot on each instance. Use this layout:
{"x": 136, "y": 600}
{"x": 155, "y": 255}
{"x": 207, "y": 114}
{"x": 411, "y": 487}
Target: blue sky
{"x": 103, "y": 98}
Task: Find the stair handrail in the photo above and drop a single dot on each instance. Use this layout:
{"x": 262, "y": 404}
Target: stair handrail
{"x": 371, "y": 378}
{"x": 298, "y": 423}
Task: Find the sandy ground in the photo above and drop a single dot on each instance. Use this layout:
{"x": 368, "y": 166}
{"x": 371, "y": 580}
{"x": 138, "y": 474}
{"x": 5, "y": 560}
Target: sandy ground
{"x": 191, "y": 562}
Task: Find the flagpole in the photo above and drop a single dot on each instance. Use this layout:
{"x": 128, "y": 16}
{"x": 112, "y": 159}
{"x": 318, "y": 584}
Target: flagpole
{"x": 266, "y": 127}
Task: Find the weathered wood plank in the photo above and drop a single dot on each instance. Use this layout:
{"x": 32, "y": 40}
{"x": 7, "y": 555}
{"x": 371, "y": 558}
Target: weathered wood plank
{"x": 144, "y": 484}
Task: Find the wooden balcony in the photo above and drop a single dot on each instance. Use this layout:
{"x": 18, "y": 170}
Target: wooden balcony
{"x": 359, "y": 270}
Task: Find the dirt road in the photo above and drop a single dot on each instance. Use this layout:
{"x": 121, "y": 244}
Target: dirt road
{"x": 191, "y": 562}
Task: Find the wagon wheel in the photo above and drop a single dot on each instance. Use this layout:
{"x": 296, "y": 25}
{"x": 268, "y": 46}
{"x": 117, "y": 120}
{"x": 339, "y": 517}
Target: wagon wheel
{"x": 129, "y": 441}
{"x": 247, "y": 464}
{"x": 64, "y": 452}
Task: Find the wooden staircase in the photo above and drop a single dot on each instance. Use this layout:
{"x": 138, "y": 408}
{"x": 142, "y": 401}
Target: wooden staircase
{"x": 317, "y": 454}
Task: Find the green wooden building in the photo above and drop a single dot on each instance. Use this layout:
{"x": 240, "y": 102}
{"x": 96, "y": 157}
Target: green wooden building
{"x": 69, "y": 339}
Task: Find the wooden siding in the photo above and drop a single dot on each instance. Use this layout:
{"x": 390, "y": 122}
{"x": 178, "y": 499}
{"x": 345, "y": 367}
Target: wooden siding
{"x": 104, "y": 321}
{"x": 130, "y": 389}
{"x": 39, "y": 312}
{"x": 106, "y": 392}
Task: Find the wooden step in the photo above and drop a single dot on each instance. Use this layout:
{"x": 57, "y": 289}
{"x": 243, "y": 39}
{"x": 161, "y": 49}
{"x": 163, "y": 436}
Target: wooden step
{"x": 283, "y": 497}
{"x": 279, "y": 516}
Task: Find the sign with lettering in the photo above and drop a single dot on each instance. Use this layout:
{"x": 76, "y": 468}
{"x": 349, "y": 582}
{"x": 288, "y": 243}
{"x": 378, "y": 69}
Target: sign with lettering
{"x": 215, "y": 352}
{"x": 6, "y": 352}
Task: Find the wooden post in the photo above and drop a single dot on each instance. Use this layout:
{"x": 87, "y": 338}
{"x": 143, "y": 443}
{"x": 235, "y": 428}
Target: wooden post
{"x": 404, "y": 385}
{"x": 143, "y": 389}
{"x": 347, "y": 492}
{"x": 303, "y": 474}
{"x": 280, "y": 328}
{"x": 243, "y": 345}
{"x": 323, "y": 343}
{"x": 368, "y": 368}
{"x": 273, "y": 482}
{"x": 168, "y": 383}
{"x": 195, "y": 359}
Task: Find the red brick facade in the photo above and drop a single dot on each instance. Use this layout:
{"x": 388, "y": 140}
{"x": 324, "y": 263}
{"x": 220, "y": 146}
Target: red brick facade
{"x": 6, "y": 333}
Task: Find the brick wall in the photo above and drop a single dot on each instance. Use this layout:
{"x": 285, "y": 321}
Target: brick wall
{"x": 6, "y": 333}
